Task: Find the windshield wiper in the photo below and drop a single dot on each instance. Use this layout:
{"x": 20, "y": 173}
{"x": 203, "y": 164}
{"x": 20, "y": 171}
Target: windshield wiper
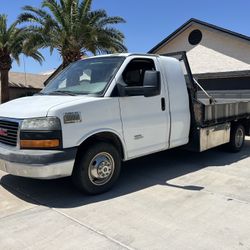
{"x": 61, "y": 92}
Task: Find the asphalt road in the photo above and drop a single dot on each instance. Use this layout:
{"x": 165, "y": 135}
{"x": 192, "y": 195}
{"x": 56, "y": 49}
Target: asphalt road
{"x": 170, "y": 200}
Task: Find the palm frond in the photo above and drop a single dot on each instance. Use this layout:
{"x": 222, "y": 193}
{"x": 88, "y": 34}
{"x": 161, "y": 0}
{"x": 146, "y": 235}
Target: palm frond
{"x": 95, "y": 16}
{"x": 110, "y": 20}
{"x": 57, "y": 12}
{"x": 36, "y": 55}
{"x": 37, "y": 11}
{"x": 85, "y": 7}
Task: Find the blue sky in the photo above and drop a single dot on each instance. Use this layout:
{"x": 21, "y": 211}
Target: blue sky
{"x": 148, "y": 22}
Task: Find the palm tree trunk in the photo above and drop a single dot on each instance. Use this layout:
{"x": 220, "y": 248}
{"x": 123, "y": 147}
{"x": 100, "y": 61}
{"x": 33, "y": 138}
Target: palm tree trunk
{"x": 69, "y": 57}
{"x": 4, "y": 86}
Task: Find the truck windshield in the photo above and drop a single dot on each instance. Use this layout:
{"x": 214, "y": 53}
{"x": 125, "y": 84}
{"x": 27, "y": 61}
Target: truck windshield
{"x": 88, "y": 76}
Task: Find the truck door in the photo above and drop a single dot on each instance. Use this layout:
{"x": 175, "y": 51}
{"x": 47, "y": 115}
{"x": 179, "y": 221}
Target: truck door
{"x": 145, "y": 120}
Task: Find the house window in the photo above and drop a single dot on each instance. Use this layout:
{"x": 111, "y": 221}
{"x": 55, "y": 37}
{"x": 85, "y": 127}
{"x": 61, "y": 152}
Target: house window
{"x": 195, "y": 37}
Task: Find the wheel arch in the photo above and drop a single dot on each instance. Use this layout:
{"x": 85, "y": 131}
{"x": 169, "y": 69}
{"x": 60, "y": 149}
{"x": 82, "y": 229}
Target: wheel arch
{"x": 109, "y": 136}
{"x": 244, "y": 122}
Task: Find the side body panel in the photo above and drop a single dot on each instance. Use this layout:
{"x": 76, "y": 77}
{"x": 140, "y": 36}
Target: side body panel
{"x": 178, "y": 101}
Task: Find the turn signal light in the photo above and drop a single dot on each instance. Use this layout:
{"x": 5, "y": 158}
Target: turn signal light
{"x": 53, "y": 143}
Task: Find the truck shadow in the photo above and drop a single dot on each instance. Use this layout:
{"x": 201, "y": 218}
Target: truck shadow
{"x": 139, "y": 174}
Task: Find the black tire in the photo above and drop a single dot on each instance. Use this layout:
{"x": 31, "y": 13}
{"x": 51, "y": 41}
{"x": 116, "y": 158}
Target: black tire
{"x": 93, "y": 171}
{"x": 237, "y": 138}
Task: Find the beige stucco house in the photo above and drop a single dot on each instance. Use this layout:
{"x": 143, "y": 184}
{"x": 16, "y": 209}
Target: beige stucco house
{"x": 216, "y": 55}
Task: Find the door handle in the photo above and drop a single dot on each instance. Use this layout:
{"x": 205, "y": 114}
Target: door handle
{"x": 163, "y": 104}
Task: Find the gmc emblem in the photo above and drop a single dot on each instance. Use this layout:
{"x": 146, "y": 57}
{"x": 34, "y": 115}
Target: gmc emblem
{"x": 3, "y": 132}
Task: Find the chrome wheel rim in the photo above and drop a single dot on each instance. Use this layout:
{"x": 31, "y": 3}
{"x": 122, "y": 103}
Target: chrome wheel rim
{"x": 239, "y": 137}
{"x": 101, "y": 168}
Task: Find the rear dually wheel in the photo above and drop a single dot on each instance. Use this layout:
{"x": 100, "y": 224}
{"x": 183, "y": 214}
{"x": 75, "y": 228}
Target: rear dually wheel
{"x": 237, "y": 138}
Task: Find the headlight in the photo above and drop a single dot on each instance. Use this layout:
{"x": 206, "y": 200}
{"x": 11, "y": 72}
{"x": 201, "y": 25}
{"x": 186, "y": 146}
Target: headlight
{"x": 41, "y": 133}
{"x": 46, "y": 123}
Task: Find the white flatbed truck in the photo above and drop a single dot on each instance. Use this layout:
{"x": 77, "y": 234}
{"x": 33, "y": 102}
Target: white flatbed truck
{"x": 103, "y": 110}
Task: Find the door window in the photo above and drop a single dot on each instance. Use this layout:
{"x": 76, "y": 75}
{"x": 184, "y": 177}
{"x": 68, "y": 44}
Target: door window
{"x": 133, "y": 75}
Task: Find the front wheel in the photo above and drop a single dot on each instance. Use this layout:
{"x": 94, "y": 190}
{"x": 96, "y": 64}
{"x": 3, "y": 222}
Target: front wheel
{"x": 237, "y": 138}
{"x": 97, "y": 169}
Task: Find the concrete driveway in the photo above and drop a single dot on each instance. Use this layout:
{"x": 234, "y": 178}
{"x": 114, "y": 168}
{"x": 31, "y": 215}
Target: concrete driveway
{"x": 170, "y": 200}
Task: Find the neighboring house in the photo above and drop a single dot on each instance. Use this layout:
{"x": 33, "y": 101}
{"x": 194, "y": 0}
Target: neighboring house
{"x": 21, "y": 84}
{"x": 216, "y": 55}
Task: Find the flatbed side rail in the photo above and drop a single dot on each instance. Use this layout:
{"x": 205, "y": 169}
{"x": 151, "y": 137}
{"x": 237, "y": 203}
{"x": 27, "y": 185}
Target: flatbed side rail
{"x": 224, "y": 112}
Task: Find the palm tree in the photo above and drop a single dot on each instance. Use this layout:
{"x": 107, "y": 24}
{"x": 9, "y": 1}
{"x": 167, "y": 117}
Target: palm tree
{"x": 13, "y": 42}
{"x": 71, "y": 27}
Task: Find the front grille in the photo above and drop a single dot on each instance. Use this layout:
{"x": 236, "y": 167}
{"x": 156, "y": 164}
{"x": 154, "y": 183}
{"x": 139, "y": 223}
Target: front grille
{"x": 8, "y": 132}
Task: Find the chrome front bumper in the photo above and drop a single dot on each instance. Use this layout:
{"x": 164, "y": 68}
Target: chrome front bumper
{"x": 38, "y": 164}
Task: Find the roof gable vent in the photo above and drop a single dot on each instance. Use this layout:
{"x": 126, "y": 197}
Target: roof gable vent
{"x": 195, "y": 37}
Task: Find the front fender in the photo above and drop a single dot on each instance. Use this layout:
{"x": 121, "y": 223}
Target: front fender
{"x": 106, "y": 130}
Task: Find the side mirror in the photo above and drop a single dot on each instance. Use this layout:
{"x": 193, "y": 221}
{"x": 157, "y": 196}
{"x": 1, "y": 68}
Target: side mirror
{"x": 151, "y": 83}
{"x": 129, "y": 91}
{"x": 151, "y": 86}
